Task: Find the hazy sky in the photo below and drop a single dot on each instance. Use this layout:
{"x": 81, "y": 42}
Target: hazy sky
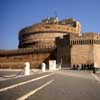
{"x": 16, "y": 14}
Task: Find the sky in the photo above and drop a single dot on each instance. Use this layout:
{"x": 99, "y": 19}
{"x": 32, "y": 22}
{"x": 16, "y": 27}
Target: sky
{"x": 17, "y": 14}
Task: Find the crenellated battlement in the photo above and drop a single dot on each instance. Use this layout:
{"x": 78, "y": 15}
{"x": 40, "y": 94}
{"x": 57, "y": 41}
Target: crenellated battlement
{"x": 84, "y": 42}
{"x": 84, "y": 39}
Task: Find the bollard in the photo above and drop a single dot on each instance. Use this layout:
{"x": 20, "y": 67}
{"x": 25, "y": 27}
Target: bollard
{"x": 52, "y": 65}
{"x": 27, "y": 68}
{"x": 43, "y": 67}
{"x": 59, "y": 66}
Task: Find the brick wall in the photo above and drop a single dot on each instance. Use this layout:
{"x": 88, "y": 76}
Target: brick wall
{"x": 82, "y": 54}
{"x": 97, "y": 56}
{"x": 18, "y": 61}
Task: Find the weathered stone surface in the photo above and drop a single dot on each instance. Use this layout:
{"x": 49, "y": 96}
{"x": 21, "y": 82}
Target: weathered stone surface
{"x": 46, "y": 32}
{"x": 80, "y": 50}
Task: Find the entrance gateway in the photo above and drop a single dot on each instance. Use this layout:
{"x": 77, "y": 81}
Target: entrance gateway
{"x": 64, "y": 52}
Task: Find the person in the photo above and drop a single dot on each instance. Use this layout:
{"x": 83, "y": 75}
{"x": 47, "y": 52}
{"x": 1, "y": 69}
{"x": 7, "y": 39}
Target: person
{"x": 73, "y": 67}
{"x": 94, "y": 70}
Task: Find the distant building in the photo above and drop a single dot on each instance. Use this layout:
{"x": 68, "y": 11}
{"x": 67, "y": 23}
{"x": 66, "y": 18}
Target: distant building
{"x": 54, "y": 39}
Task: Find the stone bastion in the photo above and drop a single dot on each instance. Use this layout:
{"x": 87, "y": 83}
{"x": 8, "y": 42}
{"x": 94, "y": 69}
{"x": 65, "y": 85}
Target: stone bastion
{"x": 45, "y": 32}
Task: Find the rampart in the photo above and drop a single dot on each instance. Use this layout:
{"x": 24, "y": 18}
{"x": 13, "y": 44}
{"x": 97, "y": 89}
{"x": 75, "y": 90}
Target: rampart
{"x": 16, "y": 58}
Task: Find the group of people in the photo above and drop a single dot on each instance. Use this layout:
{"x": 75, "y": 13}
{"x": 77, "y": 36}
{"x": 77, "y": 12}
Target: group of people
{"x": 84, "y": 67}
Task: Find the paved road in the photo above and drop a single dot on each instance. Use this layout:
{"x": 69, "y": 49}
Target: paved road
{"x": 60, "y": 85}
{"x": 6, "y": 74}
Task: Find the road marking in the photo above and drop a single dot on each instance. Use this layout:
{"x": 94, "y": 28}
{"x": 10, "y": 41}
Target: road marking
{"x": 22, "y": 83}
{"x": 34, "y": 91}
{"x": 95, "y": 77}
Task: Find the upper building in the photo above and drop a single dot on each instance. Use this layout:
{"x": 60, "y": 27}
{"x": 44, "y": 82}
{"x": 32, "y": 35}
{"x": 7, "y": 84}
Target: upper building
{"x": 46, "y": 32}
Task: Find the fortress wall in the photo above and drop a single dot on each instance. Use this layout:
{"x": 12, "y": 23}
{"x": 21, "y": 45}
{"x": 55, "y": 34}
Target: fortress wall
{"x": 18, "y": 61}
{"x": 53, "y": 27}
{"x": 45, "y": 33}
{"x": 96, "y": 53}
{"x": 41, "y": 39}
{"x": 82, "y": 54}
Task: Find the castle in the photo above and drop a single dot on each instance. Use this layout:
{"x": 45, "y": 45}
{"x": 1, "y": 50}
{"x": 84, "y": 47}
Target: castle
{"x": 54, "y": 39}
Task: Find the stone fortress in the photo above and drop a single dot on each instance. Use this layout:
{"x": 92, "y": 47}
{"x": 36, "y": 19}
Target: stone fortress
{"x": 54, "y": 39}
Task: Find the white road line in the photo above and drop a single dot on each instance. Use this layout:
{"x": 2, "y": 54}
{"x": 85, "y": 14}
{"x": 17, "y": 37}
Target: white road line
{"x": 34, "y": 91}
{"x": 22, "y": 83}
{"x": 9, "y": 75}
{"x": 95, "y": 77}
